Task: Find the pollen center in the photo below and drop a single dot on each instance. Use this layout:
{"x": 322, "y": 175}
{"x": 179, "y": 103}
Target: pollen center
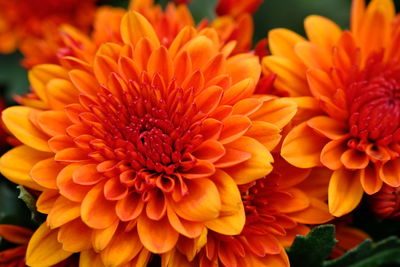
{"x": 375, "y": 108}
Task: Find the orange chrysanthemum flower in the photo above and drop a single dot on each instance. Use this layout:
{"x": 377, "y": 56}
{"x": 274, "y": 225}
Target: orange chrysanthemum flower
{"x": 141, "y": 145}
{"x": 347, "y": 83}
{"x": 277, "y": 208}
{"x": 386, "y": 203}
{"x": 25, "y": 22}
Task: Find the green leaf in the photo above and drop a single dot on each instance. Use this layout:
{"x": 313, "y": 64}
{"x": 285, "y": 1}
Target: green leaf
{"x": 368, "y": 254}
{"x": 311, "y": 250}
{"x": 203, "y": 9}
{"x": 30, "y": 202}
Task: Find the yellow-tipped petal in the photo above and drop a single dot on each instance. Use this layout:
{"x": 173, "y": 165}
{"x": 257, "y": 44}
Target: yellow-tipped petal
{"x": 17, "y": 163}
{"x": 44, "y": 249}
{"x": 135, "y": 26}
{"x": 17, "y": 121}
{"x": 344, "y": 192}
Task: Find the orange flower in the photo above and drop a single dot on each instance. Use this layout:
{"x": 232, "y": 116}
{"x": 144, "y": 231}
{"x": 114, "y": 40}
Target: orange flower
{"x": 26, "y": 22}
{"x": 141, "y": 145}
{"x": 386, "y": 203}
{"x": 346, "y": 85}
{"x": 277, "y": 208}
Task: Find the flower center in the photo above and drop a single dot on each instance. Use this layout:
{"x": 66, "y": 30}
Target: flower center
{"x": 151, "y": 131}
{"x": 375, "y": 105}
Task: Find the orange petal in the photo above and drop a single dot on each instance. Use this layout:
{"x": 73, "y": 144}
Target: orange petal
{"x": 311, "y": 144}
{"x": 332, "y": 152}
{"x": 46, "y": 200}
{"x": 247, "y": 106}
{"x": 278, "y": 111}
{"x": 17, "y": 163}
{"x": 316, "y": 213}
{"x": 390, "y": 173}
{"x": 157, "y": 206}
{"x": 282, "y": 42}
{"x": 291, "y": 75}
{"x": 354, "y": 159}
{"x": 210, "y": 150}
{"x": 344, "y": 192}
{"x": 243, "y": 66}
{"x": 96, "y": 211}
{"x": 187, "y": 228}
{"x": 89, "y": 258}
{"x": 135, "y": 26}
{"x": 87, "y": 175}
{"x": 166, "y": 70}
{"x": 67, "y": 187}
{"x": 266, "y": 133}
{"x": 232, "y": 218}
{"x": 102, "y": 237}
{"x": 75, "y": 236}
{"x": 17, "y": 121}
{"x": 63, "y": 211}
{"x": 15, "y": 234}
{"x": 53, "y": 122}
{"x": 232, "y": 157}
{"x": 41, "y": 74}
{"x": 331, "y": 128}
{"x": 202, "y": 203}
{"x": 322, "y": 31}
{"x": 130, "y": 207}
{"x": 84, "y": 82}
{"x": 45, "y": 173}
{"x": 61, "y": 93}
{"x": 44, "y": 249}
{"x": 234, "y": 127}
{"x": 298, "y": 200}
{"x": 72, "y": 155}
{"x": 123, "y": 247}
{"x": 256, "y": 167}
{"x": 370, "y": 179}
{"x": 208, "y": 99}
{"x": 202, "y": 168}
{"x": 156, "y": 236}
{"x": 313, "y": 56}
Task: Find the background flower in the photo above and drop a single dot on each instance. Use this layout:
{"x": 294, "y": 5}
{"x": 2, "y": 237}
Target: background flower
{"x": 349, "y": 89}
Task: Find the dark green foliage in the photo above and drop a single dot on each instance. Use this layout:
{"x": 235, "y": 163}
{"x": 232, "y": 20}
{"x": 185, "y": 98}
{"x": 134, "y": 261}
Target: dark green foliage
{"x": 311, "y": 250}
{"x": 368, "y": 254}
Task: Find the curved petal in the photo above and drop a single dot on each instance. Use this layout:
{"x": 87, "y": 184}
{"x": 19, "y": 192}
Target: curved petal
{"x": 354, "y": 159}
{"x": 63, "y": 211}
{"x": 390, "y": 173}
{"x": 370, "y": 179}
{"x": 96, "y": 211}
{"x": 156, "y": 236}
{"x": 17, "y": 163}
{"x": 254, "y": 168}
{"x": 316, "y": 213}
{"x": 332, "y": 153}
{"x": 135, "y": 26}
{"x": 44, "y": 249}
{"x": 232, "y": 218}
{"x": 328, "y": 127}
{"x": 344, "y": 192}
{"x": 123, "y": 247}
{"x": 302, "y": 147}
{"x": 322, "y": 31}
{"x": 45, "y": 173}
{"x": 17, "y": 121}
{"x": 202, "y": 202}
{"x": 75, "y": 236}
